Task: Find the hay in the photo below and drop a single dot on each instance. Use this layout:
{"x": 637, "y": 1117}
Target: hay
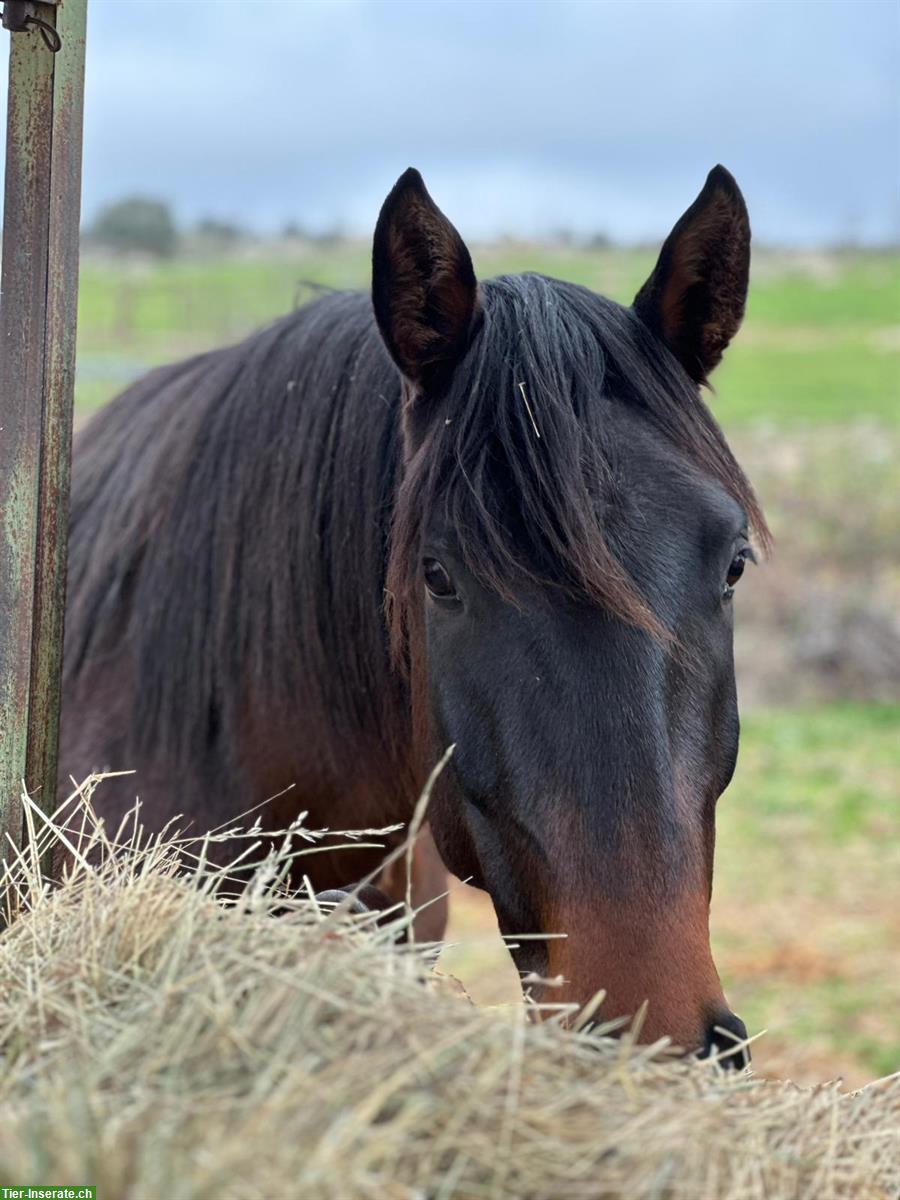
{"x": 157, "y": 1043}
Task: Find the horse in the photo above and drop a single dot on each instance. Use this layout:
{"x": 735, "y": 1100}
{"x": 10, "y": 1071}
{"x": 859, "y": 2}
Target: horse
{"x": 495, "y": 516}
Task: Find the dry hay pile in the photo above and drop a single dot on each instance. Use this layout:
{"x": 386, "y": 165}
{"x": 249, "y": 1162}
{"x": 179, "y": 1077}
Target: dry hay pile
{"x": 156, "y": 1042}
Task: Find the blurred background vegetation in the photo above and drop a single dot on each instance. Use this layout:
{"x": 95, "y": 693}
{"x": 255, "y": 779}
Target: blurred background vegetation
{"x": 806, "y": 912}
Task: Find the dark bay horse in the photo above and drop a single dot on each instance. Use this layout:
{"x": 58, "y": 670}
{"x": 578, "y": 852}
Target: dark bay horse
{"x": 497, "y": 515}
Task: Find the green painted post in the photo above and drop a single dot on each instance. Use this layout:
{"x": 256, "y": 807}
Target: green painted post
{"x": 38, "y": 295}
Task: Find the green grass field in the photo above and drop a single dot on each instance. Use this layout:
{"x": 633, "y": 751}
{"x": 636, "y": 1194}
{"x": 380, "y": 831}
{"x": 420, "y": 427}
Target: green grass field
{"x": 806, "y": 914}
{"x": 820, "y": 342}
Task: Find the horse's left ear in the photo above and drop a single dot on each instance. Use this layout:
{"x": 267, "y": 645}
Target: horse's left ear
{"x": 695, "y": 298}
{"x": 423, "y": 285}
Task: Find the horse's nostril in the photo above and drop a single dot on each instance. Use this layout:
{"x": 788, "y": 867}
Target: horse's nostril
{"x": 723, "y": 1039}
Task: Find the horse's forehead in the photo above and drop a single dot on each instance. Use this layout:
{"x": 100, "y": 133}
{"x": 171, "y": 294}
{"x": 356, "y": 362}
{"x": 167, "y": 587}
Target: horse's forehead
{"x": 649, "y": 468}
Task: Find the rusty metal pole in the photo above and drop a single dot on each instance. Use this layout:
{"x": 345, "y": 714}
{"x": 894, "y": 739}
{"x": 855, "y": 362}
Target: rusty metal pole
{"x": 38, "y": 295}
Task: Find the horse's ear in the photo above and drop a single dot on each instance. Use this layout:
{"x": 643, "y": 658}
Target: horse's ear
{"x": 695, "y": 298}
{"x": 423, "y": 286}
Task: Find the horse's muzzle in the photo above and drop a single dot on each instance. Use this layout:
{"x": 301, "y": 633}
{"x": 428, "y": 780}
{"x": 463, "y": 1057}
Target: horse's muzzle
{"x": 724, "y": 1040}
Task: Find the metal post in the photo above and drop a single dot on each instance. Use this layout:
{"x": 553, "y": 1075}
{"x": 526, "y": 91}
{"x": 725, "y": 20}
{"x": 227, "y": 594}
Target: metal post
{"x": 38, "y": 294}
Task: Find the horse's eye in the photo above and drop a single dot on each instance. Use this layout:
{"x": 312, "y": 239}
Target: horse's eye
{"x": 736, "y": 570}
{"x": 438, "y": 582}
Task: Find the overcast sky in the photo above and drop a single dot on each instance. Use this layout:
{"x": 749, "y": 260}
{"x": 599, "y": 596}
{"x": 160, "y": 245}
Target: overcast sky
{"x": 525, "y": 116}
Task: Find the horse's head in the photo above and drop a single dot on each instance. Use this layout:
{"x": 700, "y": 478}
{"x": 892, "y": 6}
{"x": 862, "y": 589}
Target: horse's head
{"x": 569, "y": 531}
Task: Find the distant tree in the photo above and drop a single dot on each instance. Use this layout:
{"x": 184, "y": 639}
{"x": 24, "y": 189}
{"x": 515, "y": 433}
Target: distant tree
{"x": 221, "y": 233}
{"x": 293, "y": 232}
{"x": 599, "y": 241}
{"x": 137, "y": 224}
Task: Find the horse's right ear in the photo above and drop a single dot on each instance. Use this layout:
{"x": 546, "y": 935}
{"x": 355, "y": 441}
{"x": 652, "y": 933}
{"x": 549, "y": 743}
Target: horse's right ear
{"x": 423, "y": 286}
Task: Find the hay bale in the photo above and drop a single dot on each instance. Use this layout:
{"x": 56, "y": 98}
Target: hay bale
{"x": 156, "y": 1042}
